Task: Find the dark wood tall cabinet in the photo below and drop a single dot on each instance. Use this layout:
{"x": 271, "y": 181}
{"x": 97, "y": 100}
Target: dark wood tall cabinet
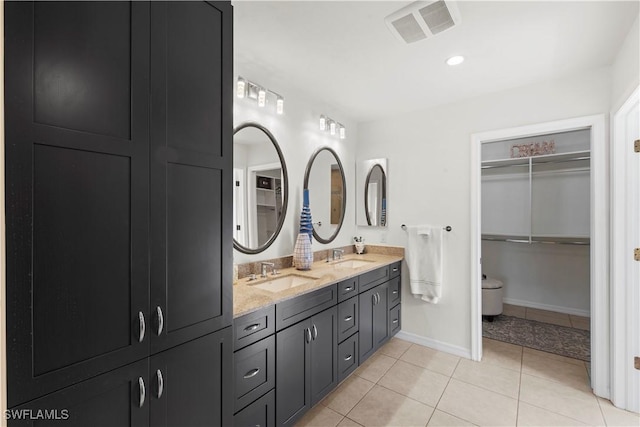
{"x": 118, "y": 186}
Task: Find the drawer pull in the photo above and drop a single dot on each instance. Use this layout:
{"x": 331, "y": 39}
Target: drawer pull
{"x": 307, "y": 331}
{"x": 160, "y": 383}
{"x": 346, "y": 319}
{"x": 160, "y": 319}
{"x": 347, "y": 358}
{"x": 142, "y": 392}
{"x": 348, "y": 288}
{"x": 394, "y": 292}
{"x": 252, "y": 327}
{"x": 142, "y": 326}
{"x": 395, "y": 269}
{"x": 314, "y": 334}
{"x": 395, "y": 321}
{"x": 252, "y": 373}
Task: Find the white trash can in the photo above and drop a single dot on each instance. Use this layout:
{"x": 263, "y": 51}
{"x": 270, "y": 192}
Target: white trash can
{"x": 491, "y": 298}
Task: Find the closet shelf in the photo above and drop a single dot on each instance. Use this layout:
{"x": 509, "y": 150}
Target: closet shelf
{"x": 553, "y": 240}
{"x": 537, "y": 160}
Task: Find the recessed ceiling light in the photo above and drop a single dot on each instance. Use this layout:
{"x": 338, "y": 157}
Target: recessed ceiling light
{"x": 455, "y": 60}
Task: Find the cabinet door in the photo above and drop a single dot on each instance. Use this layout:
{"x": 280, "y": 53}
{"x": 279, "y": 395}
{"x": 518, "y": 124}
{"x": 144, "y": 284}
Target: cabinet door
{"x": 191, "y": 170}
{"x": 112, "y": 399}
{"x": 366, "y": 301}
{"x": 77, "y": 185}
{"x": 190, "y": 384}
{"x": 381, "y": 315}
{"x": 324, "y": 354}
{"x": 293, "y": 388}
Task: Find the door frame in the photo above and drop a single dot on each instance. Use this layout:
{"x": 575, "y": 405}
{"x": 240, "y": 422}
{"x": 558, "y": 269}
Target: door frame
{"x": 625, "y": 280}
{"x": 600, "y": 357}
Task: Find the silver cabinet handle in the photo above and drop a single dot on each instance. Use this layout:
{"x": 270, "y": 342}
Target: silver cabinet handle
{"x": 252, "y": 327}
{"x": 160, "y": 383}
{"x": 142, "y": 326}
{"x": 160, "y": 319}
{"x": 252, "y": 373}
{"x": 395, "y": 269}
{"x": 347, "y": 358}
{"x": 395, "y": 321}
{"x": 394, "y": 292}
{"x": 346, "y": 319}
{"x": 308, "y": 332}
{"x": 143, "y": 392}
{"x": 378, "y": 297}
{"x": 315, "y": 332}
{"x": 348, "y": 288}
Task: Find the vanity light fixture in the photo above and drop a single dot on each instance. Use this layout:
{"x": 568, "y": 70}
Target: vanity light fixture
{"x": 248, "y": 89}
{"x": 455, "y": 60}
{"x": 328, "y": 124}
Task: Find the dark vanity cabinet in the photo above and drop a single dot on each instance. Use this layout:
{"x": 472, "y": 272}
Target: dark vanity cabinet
{"x": 118, "y": 186}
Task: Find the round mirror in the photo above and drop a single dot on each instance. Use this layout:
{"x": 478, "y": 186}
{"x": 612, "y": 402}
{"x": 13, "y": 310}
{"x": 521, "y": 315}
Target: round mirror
{"x": 324, "y": 178}
{"x": 375, "y": 197}
{"x": 260, "y": 187}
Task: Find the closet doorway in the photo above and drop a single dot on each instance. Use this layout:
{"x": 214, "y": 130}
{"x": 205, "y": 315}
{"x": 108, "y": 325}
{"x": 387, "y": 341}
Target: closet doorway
{"x": 539, "y": 222}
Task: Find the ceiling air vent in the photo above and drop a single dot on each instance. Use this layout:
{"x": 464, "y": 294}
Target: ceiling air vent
{"x": 423, "y": 19}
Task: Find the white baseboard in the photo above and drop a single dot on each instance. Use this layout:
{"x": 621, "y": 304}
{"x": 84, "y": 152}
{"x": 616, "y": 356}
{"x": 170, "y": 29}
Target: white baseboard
{"x": 434, "y": 344}
{"x": 556, "y": 308}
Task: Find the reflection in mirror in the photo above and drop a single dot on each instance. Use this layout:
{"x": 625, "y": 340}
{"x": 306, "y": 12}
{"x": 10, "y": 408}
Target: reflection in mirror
{"x": 260, "y": 188}
{"x": 375, "y": 201}
{"x": 371, "y": 193}
{"x": 325, "y": 180}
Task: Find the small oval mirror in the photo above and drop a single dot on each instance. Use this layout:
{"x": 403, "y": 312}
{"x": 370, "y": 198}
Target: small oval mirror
{"x": 375, "y": 200}
{"x": 324, "y": 178}
{"x": 260, "y": 188}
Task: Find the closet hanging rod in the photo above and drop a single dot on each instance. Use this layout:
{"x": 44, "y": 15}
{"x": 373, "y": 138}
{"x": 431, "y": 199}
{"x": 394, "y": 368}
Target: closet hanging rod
{"x": 546, "y": 241}
{"x": 573, "y": 159}
{"x": 447, "y": 228}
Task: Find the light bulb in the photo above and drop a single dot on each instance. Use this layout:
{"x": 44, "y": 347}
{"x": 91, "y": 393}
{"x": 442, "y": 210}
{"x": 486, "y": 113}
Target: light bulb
{"x": 323, "y": 123}
{"x": 262, "y": 97}
{"x": 343, "y": 132}
{"x": 332, "y": 128}
{"x": 279, "y": 105}
{"x": 241, "y": 87}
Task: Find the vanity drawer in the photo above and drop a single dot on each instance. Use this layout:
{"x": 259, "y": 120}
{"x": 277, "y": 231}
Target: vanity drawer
{"x": 394, "y": 291}
{"x": 304, "y": 306}
{"x": 254, "y": 371}
{"x": 347, "y": 357}
{"x": 347, "y": 289}
{"x": 394, "y": 320}
{"x": 261, "y": 413}
{"x": 347, "y": 318}
{"x": 373, "y": 278}
{"x": 394, "y": 269}
{"x": 253, "y": 327}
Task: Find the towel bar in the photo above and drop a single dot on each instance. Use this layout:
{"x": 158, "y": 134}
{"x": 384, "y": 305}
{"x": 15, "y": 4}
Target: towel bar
{"x": 447, "y": 228}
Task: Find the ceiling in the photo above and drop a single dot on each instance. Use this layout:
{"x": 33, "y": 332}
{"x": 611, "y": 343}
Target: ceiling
{"x": 342, "y": 53}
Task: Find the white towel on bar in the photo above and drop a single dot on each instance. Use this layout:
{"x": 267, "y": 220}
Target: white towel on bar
{"x": 424, "y": 258}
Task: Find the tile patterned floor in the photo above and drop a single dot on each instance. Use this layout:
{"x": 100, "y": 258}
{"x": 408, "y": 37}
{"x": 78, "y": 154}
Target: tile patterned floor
{"x": 406, "y": 384}
{"x": 562, "y": 319}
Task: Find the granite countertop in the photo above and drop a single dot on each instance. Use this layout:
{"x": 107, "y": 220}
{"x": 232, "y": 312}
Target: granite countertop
{"x": 247, "y": 297}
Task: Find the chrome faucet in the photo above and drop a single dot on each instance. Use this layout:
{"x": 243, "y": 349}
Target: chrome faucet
{"x": 264, "y": 266}
{"x": 337, "y": 254}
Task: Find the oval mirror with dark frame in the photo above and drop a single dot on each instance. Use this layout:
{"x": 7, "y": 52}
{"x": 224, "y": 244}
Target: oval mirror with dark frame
{"x": 260, "y": 191}
{"x": 371, "y": 193}
{"x": 324, "y": 178}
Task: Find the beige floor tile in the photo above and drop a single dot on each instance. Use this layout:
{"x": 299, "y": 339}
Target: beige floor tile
{"x": 514, "y": 310}
{"x": 618, "y": 417}
{"x": 528, "y": 350}
{"x": 375, "y": 367}
{"x": 415, "y": 382}
{"x": 395, "y": 347}
{"x": 348, "y": 422}
{"x": 383, "y": 407}
{"x": 442, "y": 419}
{"x": 348, "y": 394}
{"x": 560, "y": 398}
{"x": 580, "y": 322}
{"x": 556, "y": 370}
{"x": 478, "y": 405}
{"x": 502, "y": 354}
{"x": 320, "y": 416}
{"x": 547, "y": 313}
{"x": 554, "y": 319}
{"x": 488, "y": 376}
{"x": 532, "y": 416}
{"x": 433, "y": 360}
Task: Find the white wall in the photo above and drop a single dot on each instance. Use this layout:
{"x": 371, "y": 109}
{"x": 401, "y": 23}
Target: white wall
{"x": 429, "y": 180}
{"x": 298, "y": 136}
{"x": 626, "y": 68}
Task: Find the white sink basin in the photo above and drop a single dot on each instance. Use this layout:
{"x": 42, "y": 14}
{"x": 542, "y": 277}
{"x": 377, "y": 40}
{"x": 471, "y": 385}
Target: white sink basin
{"x": 284, "y": 282}
{"x": 351, "y": 263}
